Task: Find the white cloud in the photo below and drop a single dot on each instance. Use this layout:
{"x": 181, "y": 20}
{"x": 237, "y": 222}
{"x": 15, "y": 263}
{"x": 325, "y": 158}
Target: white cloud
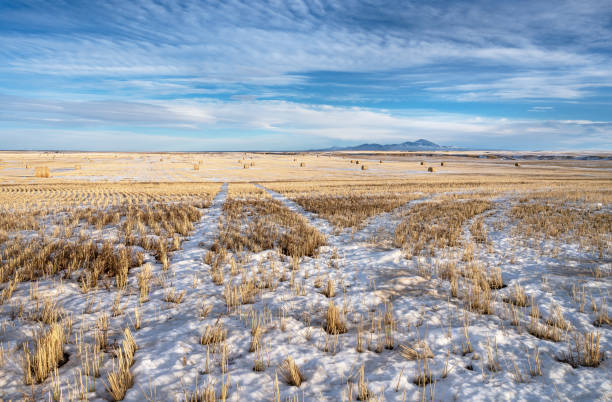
{"x": 539, "y": 109}
{"x": 305, "y": 125}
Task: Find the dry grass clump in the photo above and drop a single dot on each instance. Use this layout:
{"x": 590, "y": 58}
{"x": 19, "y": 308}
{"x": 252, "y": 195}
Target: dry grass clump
{"x": 556, "y": 319}
{"x": 172, "y": 296}
{"x": 213, "y": 334}
{"x": 434, "y": 225}
{"x": 48, "y": 355}
{"x": 120, "y": 379}
{"x": 210, "y": 393}
{"x": 363, "y": 390}
{"x": 517, "y": 297}
{"x": 422, "y": 376}
{"x": 46, "y": 311}
{"x": 244, "y": 293}
{"x": 335, "y": 320}
{"x": 479, "y": 299}
{"x": 330, "y": 289}
{"x": 144, "y": 282}
{"x": 419, "y": 351}
{"x": 264, "y": 224}
{"x": 478, "y": 231}
{"x": 585, "y": 351}
{"x": 552, "y": 332}
{"x": 489, "y": 279}
{"x": 290, "y": 372}
{"x": 602, "y": 318}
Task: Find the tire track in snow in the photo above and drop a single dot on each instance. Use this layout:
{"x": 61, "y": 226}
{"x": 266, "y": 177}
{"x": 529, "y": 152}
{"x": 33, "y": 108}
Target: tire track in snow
{"x": 320, "y": 224}
{"x": 359, "y": 264}
{"x": 169, "y": 331}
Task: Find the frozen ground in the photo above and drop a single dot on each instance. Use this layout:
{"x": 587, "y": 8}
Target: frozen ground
{"x": 369, "y": 274}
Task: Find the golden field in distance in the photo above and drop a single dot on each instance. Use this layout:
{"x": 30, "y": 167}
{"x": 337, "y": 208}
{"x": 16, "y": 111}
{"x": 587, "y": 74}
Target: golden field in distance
{"x": 20, "y": 167}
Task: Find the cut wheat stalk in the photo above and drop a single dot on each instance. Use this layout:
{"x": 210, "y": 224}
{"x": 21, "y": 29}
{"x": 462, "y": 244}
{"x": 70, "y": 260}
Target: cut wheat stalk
{"x": 290, "y": 372}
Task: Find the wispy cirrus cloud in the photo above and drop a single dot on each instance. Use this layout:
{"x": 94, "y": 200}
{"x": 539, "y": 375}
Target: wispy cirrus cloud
{"x": 327, "y": 71}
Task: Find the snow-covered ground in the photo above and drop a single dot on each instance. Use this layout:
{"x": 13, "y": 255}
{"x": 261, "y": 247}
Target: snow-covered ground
{"x": 370, "y": 276}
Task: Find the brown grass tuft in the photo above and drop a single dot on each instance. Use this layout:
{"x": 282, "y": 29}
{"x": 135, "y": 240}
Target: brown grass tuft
{"x": 336, "y": 322}
{"x": 420, "y": 351}
{"x": 290, "y": 372}
{"x": 330, "y": 289}
{"x": 213, "y": 334}
{"x": 48, "y": 355}
{"x": 585, "y": 351}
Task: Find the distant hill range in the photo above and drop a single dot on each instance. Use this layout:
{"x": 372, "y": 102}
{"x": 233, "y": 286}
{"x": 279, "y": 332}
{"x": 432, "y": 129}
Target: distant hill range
{"x": 418, "y": 145}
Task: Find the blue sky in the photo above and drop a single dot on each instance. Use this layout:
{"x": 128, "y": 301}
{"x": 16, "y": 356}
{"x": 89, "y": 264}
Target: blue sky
{"x": 275, "y": 75}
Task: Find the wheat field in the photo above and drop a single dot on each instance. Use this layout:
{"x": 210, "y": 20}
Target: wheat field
{"x": 304, "y": 276}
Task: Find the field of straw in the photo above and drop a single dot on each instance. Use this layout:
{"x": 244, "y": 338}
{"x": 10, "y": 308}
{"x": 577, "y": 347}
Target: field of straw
{"x": 298, "y": 277}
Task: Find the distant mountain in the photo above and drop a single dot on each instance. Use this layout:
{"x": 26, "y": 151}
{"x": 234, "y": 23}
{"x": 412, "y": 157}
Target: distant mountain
{"x": 418, "y": 145}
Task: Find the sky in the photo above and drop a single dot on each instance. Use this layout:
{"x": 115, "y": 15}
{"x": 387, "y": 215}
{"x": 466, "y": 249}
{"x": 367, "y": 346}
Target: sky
{"x": 293, "y": 75}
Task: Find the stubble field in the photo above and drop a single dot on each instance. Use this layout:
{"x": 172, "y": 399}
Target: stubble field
{"x": 239, "y": 276}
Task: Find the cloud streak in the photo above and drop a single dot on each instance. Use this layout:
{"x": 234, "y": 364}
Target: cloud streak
{"x": 297, "y": 123}
{"x": 333, "y": 71}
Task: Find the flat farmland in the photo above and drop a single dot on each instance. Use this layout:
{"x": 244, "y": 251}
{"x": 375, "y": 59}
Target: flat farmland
{"x": 305, "y": 276}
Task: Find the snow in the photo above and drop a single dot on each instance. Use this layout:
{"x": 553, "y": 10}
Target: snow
{"x": 170, "y": 360}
